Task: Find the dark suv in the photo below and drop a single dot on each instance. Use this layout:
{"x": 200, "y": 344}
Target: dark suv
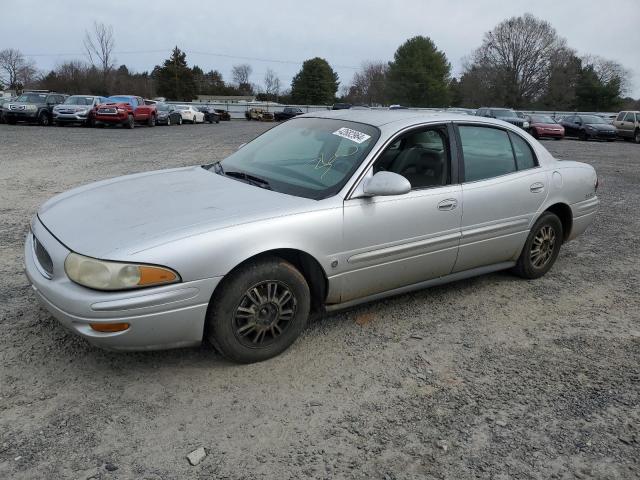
{"x": 504, "y": 114}
{"x": 33, "y": 107}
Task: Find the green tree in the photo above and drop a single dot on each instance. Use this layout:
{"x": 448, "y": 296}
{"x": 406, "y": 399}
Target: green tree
{"x": 315, "y": 84}
{"x": 419, "y": 74}
{"x": 175, "y": 80}
{"x": 594, "y": 94}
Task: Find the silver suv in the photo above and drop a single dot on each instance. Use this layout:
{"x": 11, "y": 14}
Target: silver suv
{"x": 628, "y": 125}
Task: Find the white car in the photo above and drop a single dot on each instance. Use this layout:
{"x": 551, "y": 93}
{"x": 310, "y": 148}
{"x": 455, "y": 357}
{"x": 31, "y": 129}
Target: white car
{"x": 190, "y": 114}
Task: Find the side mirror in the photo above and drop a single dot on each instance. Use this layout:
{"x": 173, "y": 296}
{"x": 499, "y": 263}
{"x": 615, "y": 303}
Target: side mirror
{"x": 385, "y": 184}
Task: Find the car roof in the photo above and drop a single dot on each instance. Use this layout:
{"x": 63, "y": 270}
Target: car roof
{"x": 378, "y": 118}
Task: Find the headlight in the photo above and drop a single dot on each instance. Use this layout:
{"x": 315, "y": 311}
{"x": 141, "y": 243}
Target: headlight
{"x": 121, "y": 110}
{"x": 106, "y": 275}
{"x": 525, "y": 125}
{"x": 82, "y": 112}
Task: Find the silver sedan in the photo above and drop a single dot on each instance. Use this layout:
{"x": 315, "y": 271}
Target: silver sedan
{"x": 320, "y": 213}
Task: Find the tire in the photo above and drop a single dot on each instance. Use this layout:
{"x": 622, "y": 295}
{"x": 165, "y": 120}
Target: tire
{"x": 636, "y": 135}
{"x": 169, "y": 121}
{"x": 44, "y": 120}
{"x": 545, "y": 237}
{"x": 152, "y": 121}
{"x": 180, "y": 120}
{"x": 241, "y": 319}
{"x": 130, "y": 122}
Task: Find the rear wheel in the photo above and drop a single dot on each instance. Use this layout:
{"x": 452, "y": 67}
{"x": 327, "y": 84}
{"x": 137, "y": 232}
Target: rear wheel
{"x": 258, "y": 311}
{"x": 541, "y": 248}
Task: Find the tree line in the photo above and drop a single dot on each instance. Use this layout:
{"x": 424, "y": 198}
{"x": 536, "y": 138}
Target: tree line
{"x": 522, "y": 63}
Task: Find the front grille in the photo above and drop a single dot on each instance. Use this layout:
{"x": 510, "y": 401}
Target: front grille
{"x": 107, "y": 110}
{"x": 42, "y": 256}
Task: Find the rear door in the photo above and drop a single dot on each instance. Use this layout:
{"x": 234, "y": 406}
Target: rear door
{"x": 628, "y": 125}
{"x": 394, "y": 241}
{"x": 503, "y": 188}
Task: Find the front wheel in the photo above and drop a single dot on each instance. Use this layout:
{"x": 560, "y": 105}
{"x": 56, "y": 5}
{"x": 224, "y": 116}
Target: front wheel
{"x": 44, "y": 120}
{"x": 541, "y": 248}
{"x": 152, "y": 121}
{"x": 130, "y": 122}
{"x": 636, "y": 136}
{"x": 258, "y": 311}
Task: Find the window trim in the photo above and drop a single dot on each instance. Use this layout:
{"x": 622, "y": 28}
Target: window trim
{"x": 462, "y": 177}
{"x": 357, "y": 178}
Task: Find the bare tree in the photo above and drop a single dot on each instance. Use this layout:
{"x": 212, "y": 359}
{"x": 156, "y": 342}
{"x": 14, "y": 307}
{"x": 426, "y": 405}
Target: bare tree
{"x": 369, "y": 85}
{"x": 609, "y": 71}
{"x": 15, "y": 70}
{"x": 241, "y": 73}
{"x": 517, "y": 55}
{"x": 99, "y": 47}
{"x": 271, "y": 84}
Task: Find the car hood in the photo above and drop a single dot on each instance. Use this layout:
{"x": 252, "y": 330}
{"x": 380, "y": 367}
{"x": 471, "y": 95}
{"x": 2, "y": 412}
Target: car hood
{"x": 600, "y": 126}
{"x": 546, "y": 125}
{"x": 122, "y": 216}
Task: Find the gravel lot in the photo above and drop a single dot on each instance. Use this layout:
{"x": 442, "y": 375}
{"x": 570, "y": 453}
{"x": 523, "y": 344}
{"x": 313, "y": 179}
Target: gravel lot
{"x": 494, "y": 377}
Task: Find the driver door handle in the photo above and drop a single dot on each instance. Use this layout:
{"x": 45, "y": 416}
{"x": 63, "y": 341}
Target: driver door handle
{"x": 448, "y": 204}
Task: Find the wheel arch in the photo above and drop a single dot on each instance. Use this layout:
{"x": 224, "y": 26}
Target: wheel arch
{"x": 563, "y": 212}
{"x": 306, "y": 264}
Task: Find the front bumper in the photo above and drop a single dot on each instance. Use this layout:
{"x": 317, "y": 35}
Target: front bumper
{"x": 583, "y": 214}
{"x": 602, "y": 134}
{"x": 160, "y": 317}
{"x": 69, "y": 117}
{"x": 114, "y": 119}
{"x": 20, "y": 116}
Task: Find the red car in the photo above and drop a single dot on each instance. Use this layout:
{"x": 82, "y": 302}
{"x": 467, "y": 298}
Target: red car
{"x": 125, "y": 110}
{"x": 544, "y": 126}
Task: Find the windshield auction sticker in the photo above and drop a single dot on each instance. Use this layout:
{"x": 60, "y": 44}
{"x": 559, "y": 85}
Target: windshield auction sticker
{"x": 353, "y": 135}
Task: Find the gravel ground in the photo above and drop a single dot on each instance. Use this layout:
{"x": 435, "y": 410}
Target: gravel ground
{"x": 493, "y": 377}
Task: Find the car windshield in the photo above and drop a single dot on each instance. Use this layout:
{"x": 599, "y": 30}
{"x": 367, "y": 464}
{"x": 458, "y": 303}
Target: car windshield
{"x": 182, "y": 107}
{"x": 503, "y": 112}
{"x": 162, "y": 107}
{"x": 79, "y": 100}
{"x": 32, "y": 98}
{"x": 591, "y": 119}
{"x": 122, "y": 100}
{"x": 542, "y": 119}
{"x": 306, "y": 157}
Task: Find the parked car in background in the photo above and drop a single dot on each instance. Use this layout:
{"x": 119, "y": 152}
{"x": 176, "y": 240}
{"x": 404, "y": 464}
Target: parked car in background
{"x": 224, "y": 115}
{"x": 287, "y": 113}
{"x": 504, "y": 114}
{"x": 210, "y": 114}
{"x": 4, "y": 101}
{"x": 393, "y": 107}
{"x": 125, "y": 110}
{"x": 543, "y": 126}
{"x": 33, "y": 107}
{"x": 588, "y": 127}
{"x": 259, "y": 114}
{"x": 224, "y": 252}
{"x": 78, "y": 109}
{"x": 167, "y": 115}
{"x": 190, "y": 114}
{"x": 341, "y": 106}
{"x": 608, "y": 117}
{"x": 627, "y": 125}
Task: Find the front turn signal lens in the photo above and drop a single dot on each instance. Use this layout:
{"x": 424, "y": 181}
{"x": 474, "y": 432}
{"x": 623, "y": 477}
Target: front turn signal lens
{"x": 107, "y": 275}
{"x": 109, "y": 327}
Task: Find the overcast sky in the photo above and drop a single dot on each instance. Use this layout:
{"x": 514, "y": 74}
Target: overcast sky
{"x": 280, "y": 34}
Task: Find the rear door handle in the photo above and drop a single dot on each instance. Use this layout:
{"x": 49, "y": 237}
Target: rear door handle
{"x": 536, "y": 187}
{"x": 448, "y": 204}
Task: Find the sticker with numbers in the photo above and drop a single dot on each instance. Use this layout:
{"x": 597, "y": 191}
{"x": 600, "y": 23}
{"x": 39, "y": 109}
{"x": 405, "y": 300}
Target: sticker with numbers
{"x": 353, "y": 135}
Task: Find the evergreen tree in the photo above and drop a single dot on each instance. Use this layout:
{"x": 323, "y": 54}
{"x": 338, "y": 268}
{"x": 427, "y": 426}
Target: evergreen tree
{"x": 315, "y": 84}
{"x": 175, "y": 80}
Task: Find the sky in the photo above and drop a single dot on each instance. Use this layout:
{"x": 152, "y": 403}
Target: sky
{"x": 280, "y": 34}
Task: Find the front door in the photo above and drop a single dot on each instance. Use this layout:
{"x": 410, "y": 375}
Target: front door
{"x": 395, "y": 241}
{"x": 502, "y": 191}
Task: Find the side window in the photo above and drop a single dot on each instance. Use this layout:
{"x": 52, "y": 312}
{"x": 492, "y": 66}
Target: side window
{"x": 522, "y": 150}
{"x": 487, "y": 152}
{"x": 620, "y": 116}
{"x": 630, "y": 117}
{"x": 423, "y": 157}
